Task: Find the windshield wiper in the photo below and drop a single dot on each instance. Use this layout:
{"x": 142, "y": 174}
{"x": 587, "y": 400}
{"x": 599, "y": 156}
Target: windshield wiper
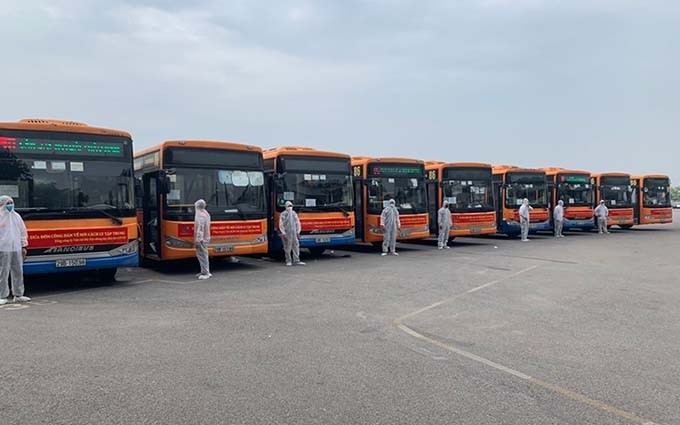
{"x": 113, "y": 218}
{"x": 340, "y": 208}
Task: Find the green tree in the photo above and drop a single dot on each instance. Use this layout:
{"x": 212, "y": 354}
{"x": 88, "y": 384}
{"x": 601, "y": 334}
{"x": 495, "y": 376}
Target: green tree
{"x": 675, "y": 193}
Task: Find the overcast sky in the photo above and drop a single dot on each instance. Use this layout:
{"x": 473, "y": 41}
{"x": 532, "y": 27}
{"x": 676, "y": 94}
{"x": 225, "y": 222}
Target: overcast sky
{"x": 591, "y": 84}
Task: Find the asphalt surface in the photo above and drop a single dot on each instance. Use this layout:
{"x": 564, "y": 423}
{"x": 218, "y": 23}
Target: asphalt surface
{"x": 580, "y": 330}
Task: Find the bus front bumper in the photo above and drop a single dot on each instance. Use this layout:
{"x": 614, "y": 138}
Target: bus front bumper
{"x": 50, "y": 266}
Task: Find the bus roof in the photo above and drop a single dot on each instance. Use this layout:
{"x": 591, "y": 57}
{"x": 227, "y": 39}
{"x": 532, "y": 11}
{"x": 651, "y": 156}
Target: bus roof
{"x": 650, "y": 176}
{"x": 360, "y": 160}
{"x": 207, "y": 144}
{"x": 43, "y": 124}
{"x": 301, "y": 151}
{"x": 557, "y": 170}
{"x": 610, "y": 174}
{"x": 501, "y": 169}
{"x": 430, "y": 165}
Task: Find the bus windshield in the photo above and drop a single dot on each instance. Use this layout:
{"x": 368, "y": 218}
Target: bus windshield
{"x": 408, "y": 193}
{"x": 54, "y": 183}
{"x": 531, "y": 186}
{"x": 575, "y": 190}
{"x": 230, "y": 194}
{"x": 468, "y": 189}
{"x": 616, "y": 191}
{"x": 656, "y": 193}
{"x": 315, "y": 192}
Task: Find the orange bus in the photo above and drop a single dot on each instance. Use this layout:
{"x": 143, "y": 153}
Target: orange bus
{"x": 74, "y": 187}
{"x": 468, "y": 189}
{"x": 616, "y": 191}
{"x": 376, "y": 181}
{"x": 175, "y": 174}
{"x": 511, "y": 185}
{"x": 652, "y": 199}
{"x": 319, "y": 184}
{"x": 573, "y": 187}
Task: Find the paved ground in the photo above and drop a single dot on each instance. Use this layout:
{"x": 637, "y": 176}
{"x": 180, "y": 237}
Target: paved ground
{"x": 584, "y": 330}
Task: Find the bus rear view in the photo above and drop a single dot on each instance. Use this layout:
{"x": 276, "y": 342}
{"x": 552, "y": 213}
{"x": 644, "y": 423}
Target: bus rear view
{"x": 319, "y": 185}
{"x": 228, "y": 176}
{"x": 376, "y": 181}
{"x": 616, "y": 191}
{"x": 468, "y": 189}
{"x": 73, "y": 186}
{"x": 511, "y": 186}
{"x": 573, "y": 187}
{"x": 652, "y": 199}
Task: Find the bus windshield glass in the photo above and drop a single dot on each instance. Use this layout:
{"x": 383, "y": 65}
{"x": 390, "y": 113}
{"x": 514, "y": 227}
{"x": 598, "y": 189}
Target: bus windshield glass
{"x": 407, "y": 192}
{"x": 315, "y": 184}
{"x": 575, "y": 190}
{"x": 531, "y": 186}
{"x": 55, "y": 174}
{"x": 229, "y": 194}
{"x": 468, "y": 189}
{"x": 616, "y": 191}
{"x": 656, "y": 193}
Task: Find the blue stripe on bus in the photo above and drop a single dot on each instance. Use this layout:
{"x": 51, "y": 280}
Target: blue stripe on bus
{"x": 41, "y": 267}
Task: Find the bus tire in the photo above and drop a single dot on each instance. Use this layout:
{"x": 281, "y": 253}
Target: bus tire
{"x": 317, "y": 251}
{"x": 108, "y": 275}
{"x": 626, "y": 226}
{"x": 451, "y": 238}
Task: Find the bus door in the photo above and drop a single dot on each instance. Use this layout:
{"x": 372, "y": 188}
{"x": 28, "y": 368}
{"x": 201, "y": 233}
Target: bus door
{"x": 151, "y": 217}
{"x": 552, "y": 198}
{"x": 499, "y": 199}
{"x": 433, "y": 203}
{"x": 358, "y": 207}
{"x": 635, "y": 199}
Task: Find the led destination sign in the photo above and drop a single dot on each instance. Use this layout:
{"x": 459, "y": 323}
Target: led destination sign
{"x": 61, "y": 147}
{"x": 395, "y": 170}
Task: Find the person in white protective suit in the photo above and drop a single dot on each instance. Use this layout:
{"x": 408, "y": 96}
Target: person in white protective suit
{"x": 390, "y": 225}
{"x": 444, "y": 222}
{"x": 202, "y": 238}
{"x": 558, "y": 217}
{"x": 525, "y": 219}
{"x": 290, "y": 228}
{"x": 602, "y": 213}
{"x": 13, "y": 243}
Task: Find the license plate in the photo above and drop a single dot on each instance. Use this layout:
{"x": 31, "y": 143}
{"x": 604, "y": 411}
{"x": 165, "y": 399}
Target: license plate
{"x": 79, "y": 262}
{"x": 322, "y": 240}
{"x": 475, "y": 229}
{"x": 224, "y": 249}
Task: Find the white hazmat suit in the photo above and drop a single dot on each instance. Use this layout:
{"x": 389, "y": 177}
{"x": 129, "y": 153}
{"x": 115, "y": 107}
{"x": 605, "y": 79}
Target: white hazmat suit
{"x": 602, "y": 212}
{"x": 13, "y": 242}
{"x": 202, "y": 237}
{"x": 558, "y": 217}
{"x": 445, "y": 223}
{"x": 290, "y": 228}
{"x": 390, "y": 224}
{"x": 525, "y": 219}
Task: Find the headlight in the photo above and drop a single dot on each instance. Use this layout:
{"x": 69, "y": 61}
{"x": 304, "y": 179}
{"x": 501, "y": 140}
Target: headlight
{"x": 261, "y": 239}
{"x": 177, "y": 243}
{"x": 128, "y": 248}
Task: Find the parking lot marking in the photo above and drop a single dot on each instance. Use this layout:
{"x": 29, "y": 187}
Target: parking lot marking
{"x": 632, "y": 417}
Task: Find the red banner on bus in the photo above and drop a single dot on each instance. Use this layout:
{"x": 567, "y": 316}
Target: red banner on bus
{"x": 72, "y": 237}
{"x": 223, "y": 229}
{"x": 325, "y": 224}
{"x": 413, "y": 220}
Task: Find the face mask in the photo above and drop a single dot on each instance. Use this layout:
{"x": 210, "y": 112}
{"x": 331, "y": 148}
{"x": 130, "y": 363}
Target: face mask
{"x": 289, "y": 208}
{"x": 10, "y": 207}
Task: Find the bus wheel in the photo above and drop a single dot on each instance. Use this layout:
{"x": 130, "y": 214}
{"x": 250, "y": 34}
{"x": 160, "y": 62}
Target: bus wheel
{"x": 317, "y": 251}
{"x": 451, "y": 238}
{"x": 108, "y": 275}
{"x": 626, "y": 226}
